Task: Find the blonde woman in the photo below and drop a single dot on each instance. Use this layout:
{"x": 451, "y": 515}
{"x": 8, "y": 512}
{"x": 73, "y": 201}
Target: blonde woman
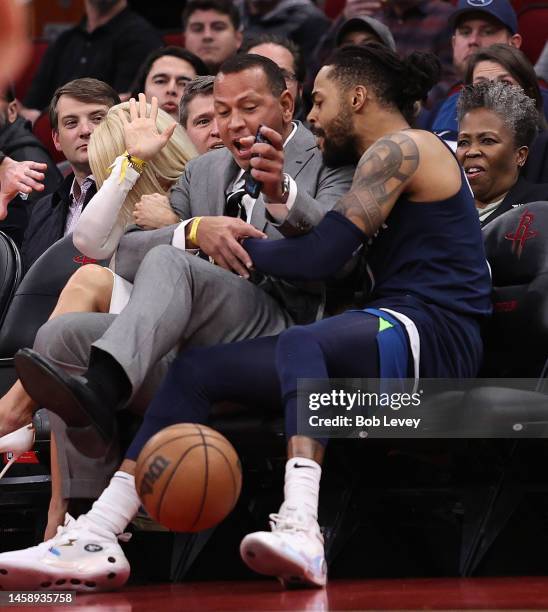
{"x": 137, "y": 150}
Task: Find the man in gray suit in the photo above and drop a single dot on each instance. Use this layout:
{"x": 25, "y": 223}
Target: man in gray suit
{"x": 178, "y": 298}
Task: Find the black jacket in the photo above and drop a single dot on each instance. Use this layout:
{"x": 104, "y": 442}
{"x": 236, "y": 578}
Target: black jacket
{"x": 521, "y": 193}
{"x": 299, "y": 20}
{"x": 18, "y": 142}
{"x": 112, "y": 53}
{"x": 47, "y": 221}
{"x": 536, "y": 168}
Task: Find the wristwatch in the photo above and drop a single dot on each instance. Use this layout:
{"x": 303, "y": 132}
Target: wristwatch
{"x": 285, "y": 188}
{"x": 285, "y": 191}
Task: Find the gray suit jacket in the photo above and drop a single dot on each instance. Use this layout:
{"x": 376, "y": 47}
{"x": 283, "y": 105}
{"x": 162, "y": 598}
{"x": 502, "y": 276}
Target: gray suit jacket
{"x": 203, "y": 188}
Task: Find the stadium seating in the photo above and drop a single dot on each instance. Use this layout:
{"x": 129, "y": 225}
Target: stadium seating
{"x": 10, "y": 272}
{"x": 37, "y": 295}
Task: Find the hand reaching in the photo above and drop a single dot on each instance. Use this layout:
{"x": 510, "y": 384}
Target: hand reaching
{"x": 16, "y": 177}
{"x": 153, "y": 211}
{"x": 141, "y": 135}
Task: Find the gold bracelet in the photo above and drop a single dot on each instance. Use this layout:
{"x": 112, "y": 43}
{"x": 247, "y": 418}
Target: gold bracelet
{"x": 194, "y": 230}
{"x": 137, "y": 164}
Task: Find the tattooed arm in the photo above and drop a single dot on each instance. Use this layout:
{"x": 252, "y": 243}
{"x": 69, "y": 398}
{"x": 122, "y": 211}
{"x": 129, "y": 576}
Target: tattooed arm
{"x": 382, "y": 175}
{"x": 383, "y": 172}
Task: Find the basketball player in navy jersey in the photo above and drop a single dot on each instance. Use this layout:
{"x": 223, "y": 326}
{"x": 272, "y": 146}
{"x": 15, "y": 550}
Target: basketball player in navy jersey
{"x": 412, "y": 214}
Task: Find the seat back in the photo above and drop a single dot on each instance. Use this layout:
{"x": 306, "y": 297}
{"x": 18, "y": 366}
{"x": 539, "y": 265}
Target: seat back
{"x": 517, "y": 249}
{"x": 37, "y": 295}
{"x": 10, "y": 272}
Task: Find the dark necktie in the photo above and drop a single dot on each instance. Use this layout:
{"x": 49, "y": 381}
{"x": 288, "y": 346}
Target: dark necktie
{"x": 234, "y": 206}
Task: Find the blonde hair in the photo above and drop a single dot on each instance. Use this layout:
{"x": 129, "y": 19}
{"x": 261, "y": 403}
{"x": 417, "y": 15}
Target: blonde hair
{"x": 107, "y": 143}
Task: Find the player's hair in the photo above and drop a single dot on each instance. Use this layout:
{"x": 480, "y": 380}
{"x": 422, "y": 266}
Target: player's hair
{"x": 107, "y": 143}
{"x": 396, "y": 82}
{"x": 509, "y": 102}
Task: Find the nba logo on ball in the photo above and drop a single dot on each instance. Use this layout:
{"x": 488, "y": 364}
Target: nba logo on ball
{"x": 188, "y": 477}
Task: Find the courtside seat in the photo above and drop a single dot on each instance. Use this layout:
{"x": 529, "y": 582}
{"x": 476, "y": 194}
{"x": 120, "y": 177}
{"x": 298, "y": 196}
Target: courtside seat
{"x": 10, "y": 272}
{"x": 37, "y": 295}
{"x": 516, "y": 340}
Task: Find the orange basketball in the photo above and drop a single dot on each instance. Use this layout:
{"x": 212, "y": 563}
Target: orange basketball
{"x": 188, "y": 477}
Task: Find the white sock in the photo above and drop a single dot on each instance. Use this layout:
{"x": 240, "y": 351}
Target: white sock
{"x": 117, "y": 504}
{"x": 302, "y": 485}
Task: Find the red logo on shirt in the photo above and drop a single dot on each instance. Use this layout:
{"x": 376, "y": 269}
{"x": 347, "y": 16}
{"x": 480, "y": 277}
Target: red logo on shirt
{"x": 522, "y": 233}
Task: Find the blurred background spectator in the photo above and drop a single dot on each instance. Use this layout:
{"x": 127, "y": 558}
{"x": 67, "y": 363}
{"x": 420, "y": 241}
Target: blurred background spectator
{"x": 165, "y": 73}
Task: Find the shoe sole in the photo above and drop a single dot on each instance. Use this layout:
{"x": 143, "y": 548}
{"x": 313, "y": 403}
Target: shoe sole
{"x": 18, "y": 577}
{"x": 50, "y": 390}
{"x": 267, "y": 560}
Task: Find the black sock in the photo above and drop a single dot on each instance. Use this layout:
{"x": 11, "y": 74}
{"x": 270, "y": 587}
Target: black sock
{"x": 106, "y": 377}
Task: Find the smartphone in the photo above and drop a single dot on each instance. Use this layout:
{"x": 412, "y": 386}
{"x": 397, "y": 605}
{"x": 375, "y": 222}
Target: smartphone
{"x": 253, "y": 187}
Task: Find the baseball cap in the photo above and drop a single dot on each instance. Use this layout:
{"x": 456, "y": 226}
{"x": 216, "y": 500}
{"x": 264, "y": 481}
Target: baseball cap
{"x": 357, "y": 23}
{"x": 499, "y": 9}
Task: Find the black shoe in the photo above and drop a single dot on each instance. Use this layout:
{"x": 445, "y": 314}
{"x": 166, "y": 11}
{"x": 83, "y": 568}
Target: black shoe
{"x": 67, "y": 396}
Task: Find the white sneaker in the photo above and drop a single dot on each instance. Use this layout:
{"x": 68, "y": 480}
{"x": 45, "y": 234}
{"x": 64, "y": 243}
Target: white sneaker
{"x": 293, "y": 551}
{"x": 81, "y": 557}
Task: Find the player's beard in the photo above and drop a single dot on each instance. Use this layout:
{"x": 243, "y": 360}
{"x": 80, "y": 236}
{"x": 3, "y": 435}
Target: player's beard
{"x": 340, "y": 142}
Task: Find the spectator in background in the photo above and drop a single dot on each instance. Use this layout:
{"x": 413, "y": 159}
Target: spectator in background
{"x": 416, "y": 25}
{"x": 363, "y": 29}
{"x": 301, "y": 21}
{"x": 75, "y": 111}
{"x": 109, "y": 44}
{"x": 197, "y": 115}
{"x": 165, "y": 74}
{"x": 497, "y": 124}
{"x": 212, "y": 31}
{"x": 287, "y": 55}
{"x": 19, "y": 143}
{"x": 474, "y": 26}
{"x": 509, "y": 65}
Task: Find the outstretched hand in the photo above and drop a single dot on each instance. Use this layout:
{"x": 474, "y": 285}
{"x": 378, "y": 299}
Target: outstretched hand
{"x": 141, "y": 135}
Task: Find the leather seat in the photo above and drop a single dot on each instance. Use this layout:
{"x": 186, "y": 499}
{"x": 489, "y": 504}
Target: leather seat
{"x": 37, "y": 295}
{"x": 10, "y": 272}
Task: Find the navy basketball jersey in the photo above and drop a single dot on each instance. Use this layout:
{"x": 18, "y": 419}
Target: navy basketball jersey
{"x": 433, "y": 251}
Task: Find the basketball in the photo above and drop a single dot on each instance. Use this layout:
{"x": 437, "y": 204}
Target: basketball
{"x": 188, "y": 477}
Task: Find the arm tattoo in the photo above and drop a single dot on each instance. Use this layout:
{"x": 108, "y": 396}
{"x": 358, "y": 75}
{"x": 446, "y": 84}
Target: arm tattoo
{"x": 381, "y": 176}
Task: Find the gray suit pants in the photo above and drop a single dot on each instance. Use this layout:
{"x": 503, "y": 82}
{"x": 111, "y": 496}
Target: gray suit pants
{"x": 177, "y": 300}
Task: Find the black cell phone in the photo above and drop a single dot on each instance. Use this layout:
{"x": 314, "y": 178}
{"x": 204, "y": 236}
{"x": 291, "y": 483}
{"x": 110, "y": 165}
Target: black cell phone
{"x": 251, "y": 186}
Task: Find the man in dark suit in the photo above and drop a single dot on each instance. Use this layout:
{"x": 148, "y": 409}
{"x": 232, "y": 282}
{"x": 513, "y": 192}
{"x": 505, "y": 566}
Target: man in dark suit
{"x": 182, "y": 299}
{"x": 75, "y": 110}
{"x": 19, "y": 143}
